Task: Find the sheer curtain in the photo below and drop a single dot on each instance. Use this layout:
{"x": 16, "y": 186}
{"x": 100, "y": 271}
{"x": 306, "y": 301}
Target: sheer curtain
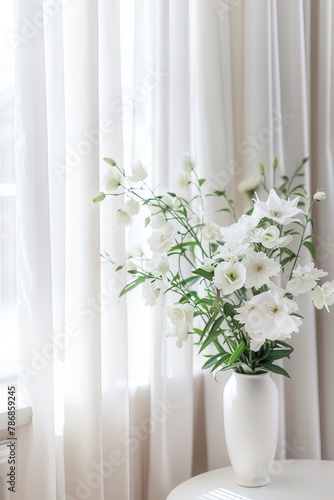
{"x": 119, "y": 411}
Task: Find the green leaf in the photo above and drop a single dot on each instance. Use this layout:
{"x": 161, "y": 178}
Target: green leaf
{"x": 286, "y": 260}
{"x": 288, "y": 251}
{"x": 118, "y": 268}
{"x": 274, "y": 369}
{"x": 205, "y": 274}
{"x": 278, "y": 354}
{"x": 300, "y": 186}
{"x": 283, "y": 344}
{"x": 132, "y": 285}
{"x": 298, "y": 223}
{"x": 291, "y": 232}
{"x": 222, "y": 364}
{"x": 190, "y": 281}
{"x": 311, "y": 248}
{"x": 147, "y": 221}
{"x": 182, "y": 246}
{"x": 221, "y": 357}
{"x": 298, "y": 315}
{"x": 229, "y": 310}
{"x": 209, "y": 324}
{"x": 311, "y": 236}
{"x": 132, "y": 271}
{"x": 237, "y": 353}
{"x": 229, "y": 367}
{"x": 201, "y": 181}
{"x": 213, "y": 333}
{"x": 225, "y": 210}
{"x": 263, "y": 352}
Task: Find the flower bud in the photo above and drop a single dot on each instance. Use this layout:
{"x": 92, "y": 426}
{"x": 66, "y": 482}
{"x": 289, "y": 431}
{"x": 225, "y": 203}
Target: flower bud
{"x": 188, "y": 163}
{"x": 261, "y": 169}
{"x": 123, "y": 217}
{"x": 98, "y": 197}
{"x": 110, "y": 161}
{"x": 320, "y": 195}
{"x": 249, "y": 184}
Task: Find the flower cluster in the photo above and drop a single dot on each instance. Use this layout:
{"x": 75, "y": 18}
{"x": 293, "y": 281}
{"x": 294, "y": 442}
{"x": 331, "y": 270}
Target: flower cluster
{"x": 236, "y": 285}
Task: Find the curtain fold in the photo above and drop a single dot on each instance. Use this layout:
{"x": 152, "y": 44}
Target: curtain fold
{"x": 35, "y": 316}
{"x": 119, "y": 411}
{"x": 82, "y": 372}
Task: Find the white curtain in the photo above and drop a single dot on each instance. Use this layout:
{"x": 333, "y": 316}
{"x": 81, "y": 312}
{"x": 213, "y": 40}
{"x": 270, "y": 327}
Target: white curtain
{"x": 118, "y": 411}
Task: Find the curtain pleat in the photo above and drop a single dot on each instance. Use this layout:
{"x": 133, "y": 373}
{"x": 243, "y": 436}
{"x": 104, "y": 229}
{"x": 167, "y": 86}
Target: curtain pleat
{"x": 34, "y": 260}
{"x": 117, "y": 453}
{"x": 323, "y": 175}
{"x": 82, "y": 380}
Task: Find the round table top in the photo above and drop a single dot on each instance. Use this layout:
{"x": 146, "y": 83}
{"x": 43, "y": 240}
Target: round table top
{"x": 290, "y": 480}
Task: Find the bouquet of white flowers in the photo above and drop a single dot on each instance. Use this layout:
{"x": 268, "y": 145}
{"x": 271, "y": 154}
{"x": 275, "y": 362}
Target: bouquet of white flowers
{"x": 237, "y": 283}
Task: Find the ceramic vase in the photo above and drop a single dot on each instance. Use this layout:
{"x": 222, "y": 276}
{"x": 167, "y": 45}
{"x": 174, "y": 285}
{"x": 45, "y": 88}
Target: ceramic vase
{"x": 251, "y": 426}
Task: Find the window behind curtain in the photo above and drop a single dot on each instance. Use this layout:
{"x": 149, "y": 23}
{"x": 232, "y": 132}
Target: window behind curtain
{"x": 8, "y": 349}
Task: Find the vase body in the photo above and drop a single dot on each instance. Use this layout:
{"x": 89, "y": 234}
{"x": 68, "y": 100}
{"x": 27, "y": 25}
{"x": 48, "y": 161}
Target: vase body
{"x": 251, "y": 426}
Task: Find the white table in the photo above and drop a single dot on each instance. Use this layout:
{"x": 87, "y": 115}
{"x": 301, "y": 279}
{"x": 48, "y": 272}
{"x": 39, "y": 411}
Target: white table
{"x": 290, "y": 480}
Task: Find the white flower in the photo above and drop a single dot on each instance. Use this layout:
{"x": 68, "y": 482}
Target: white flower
{"x": 277, "y": 209}
{"x": 161, "y": 239}
{"x": 249, "y": 184}
{"x": 157, "y": 221}
{"x": 181, "y": 332}
{"x": 139, "y": 172}
{"x": 158, "y": 265}
{"x": 268, "y": 316}
{"x": 229, "y": 277}
{"x": 150, "y": 292}
{"x": 134, "y": 251}
{"x": 255, "y": 345}
{"x": 180, "y": 317}
{"x": 98, "y": 197}
{"x": 320, "y": 195}
{"x": 112, "y": 179}
{"x": 123, "y": 217}
{"x": 180, "y": 314}
{"x": 270, "y": 237}
{"x": 323, "y": 295}
{"x": 304, "y": 279}
{"x": 183, "y": 180}
{"x": 233, "y": 252}
{"x": 132, "y": 207}
{"x": 240, "y": 232}
{"x": 259, "y": 269}
{"x": 211, "y": 232}
{"x": 188, "y": 163}
{"x": 208, "y": 264}
{"x": 167, "y": 201}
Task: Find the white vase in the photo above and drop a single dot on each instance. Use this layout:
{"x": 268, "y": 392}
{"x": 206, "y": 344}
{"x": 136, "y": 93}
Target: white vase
{"x": 251, "y": 426}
